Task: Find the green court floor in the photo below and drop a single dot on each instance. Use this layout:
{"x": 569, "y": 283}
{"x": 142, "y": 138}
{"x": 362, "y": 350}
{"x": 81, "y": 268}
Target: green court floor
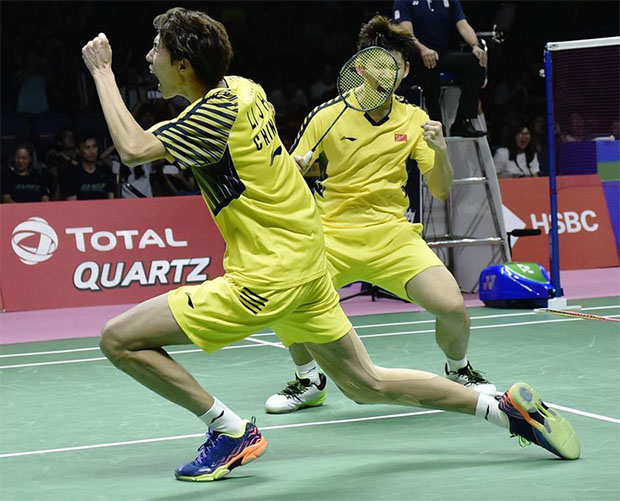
{"x": 75, "y": 428}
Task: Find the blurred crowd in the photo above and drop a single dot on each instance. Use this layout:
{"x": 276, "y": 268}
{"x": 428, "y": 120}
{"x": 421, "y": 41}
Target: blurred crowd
{"x": 54, "y": 138}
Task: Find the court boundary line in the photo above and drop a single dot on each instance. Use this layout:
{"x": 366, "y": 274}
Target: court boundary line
{"x": 270, "y": 333}
{"x": 280, "y": 427}
{"x": 259, "y": 342}
{"x": 196, "y": 435}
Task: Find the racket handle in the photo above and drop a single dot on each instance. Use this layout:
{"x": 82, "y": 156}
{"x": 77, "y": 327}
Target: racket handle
{"x": 307, "y": 157}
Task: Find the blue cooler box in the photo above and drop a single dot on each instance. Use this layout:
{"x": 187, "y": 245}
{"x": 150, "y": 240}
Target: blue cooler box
{"x": 515, "y": 285}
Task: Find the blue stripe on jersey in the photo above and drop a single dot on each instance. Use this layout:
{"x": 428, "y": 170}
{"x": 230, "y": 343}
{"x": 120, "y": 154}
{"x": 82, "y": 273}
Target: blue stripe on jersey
{"x": 224, "y": 115}
{"x": 200, "y": 136}
{"x": 209, "y": 116}
{"x": 210, "y": 137}
{"x": 306, "y": 121}
{"x": 212, "y": 134}
{"x": 202, "y": 154}
{"x": 219, "y": 182}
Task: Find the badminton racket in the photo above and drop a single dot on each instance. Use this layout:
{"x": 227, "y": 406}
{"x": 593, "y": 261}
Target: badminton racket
{"x": 365, "y": 82}
{"x": 575, "y": 314}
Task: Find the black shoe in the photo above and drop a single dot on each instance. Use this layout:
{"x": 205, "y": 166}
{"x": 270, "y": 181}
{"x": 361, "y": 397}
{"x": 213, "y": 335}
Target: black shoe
{"x": 465, "y": 128}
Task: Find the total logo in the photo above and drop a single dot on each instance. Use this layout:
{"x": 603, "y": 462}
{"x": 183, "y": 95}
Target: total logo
{"x": 34, "y": 241}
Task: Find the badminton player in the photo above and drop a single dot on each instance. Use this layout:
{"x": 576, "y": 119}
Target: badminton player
{"x": 275, "y": 263}
{"x": 364, "y": 163}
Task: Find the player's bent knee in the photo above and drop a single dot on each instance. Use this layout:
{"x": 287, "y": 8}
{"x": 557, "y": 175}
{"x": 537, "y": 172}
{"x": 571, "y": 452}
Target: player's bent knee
{"x": 453, "y": 305}
{"x": 110, "y": 342}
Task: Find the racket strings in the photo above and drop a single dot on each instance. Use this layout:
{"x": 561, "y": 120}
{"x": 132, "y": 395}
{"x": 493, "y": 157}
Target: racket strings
{"x": 368, "y": 79}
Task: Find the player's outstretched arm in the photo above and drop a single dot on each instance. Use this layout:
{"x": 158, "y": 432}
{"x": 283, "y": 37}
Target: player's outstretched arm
{"x": 134, "y": 145}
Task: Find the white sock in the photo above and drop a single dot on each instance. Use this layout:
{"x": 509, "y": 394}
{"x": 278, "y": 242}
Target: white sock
{"x": 455, "y": 365}
{"x": 488, "y": 409}
{"x": 308, "y": 371}
{"x": 221, "y": 418}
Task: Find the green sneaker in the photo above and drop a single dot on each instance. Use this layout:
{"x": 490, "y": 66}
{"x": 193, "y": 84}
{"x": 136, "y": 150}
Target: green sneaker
{"x": 534, "y": 422}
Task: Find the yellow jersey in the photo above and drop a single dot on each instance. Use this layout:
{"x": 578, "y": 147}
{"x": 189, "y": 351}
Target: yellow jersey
{"x": 251, "y": 184}
{"x": 363, "y": 164}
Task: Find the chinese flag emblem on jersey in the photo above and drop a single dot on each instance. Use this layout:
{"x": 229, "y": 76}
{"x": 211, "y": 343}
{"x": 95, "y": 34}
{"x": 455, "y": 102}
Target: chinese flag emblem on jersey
{"x": 400, "y": 137}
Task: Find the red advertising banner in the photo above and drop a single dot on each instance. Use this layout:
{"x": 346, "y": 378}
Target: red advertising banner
{"x": 88, "y": 253}
{"x": 585, "y": 232}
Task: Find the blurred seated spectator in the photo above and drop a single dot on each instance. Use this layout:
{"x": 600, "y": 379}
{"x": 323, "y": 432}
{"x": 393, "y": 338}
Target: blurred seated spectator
{"x": 510, "y": 100}
{"x": 324, "y": 87}
{"x": 168, "y": 180}
{"x": 133, "y": 182}
{"x": 22, "y": 182}
{"x": 289, "y": 98}
{"x": 32, "y": 83}
{"x": 91, "y": 179}
{"x": 59, "y": 160}
{"x": 615, "y": 129}
{"x": 575, "y": 129}
{"x": 538, "y": 128}
{"x": 518, "y": 158}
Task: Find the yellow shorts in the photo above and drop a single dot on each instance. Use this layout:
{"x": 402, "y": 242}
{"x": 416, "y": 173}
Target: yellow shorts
{"x": 387, "y": 255}
{"x": 219, "y": 312}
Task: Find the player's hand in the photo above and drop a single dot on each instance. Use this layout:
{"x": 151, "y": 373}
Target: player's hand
{"x": 302, "y": 165}
{"x": 97, "y": 54}
{"x": 429, "y": 57}
{"x": 481, "y": 55}
{"x": 433, "y": 135}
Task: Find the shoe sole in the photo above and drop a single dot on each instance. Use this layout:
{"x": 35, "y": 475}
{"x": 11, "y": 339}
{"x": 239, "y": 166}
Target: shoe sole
{"x": 557, "y": 431}
{"x": 246, "y": 456}
{"x": 313, "y": 403}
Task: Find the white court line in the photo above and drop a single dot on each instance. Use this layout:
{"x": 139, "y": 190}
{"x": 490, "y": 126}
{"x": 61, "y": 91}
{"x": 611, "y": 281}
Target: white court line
{"x": 280, "y": 427}
{"x": 515, "y": 324}
{"x": 77, "y": 361}
{"x": 181, "y": 437}
{"x": 584, "y": 413}
{"x": 357, "y": 327}
{"x": 277, "y": 345}
{"x": 266, "y": 343}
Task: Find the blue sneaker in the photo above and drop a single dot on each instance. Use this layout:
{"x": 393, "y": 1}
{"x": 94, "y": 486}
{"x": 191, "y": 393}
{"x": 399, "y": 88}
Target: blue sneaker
{"x": 221, "y": 453}
{"x": 534, "y": 422}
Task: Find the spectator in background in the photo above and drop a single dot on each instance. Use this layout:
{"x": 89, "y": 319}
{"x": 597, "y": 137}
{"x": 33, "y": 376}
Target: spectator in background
{"x": 288, "y": 98}
{"x": 324, "y": 87}
{"x": 91, "y": 179}
{"x": 133, "y": 182}
{"x": 32, "y": 83}
{"x": 22, "y": 183}
{"x": 575, "y": 129}
{"x": 59, "y": 160}
{"x": 431, "y": 23}
{"x": 518, "y": 158}
{"x": 510, "y": 102}
{"x": 538, "y": 128}
{"x": 615, "y": 129}
{"x": 168, "y": 181}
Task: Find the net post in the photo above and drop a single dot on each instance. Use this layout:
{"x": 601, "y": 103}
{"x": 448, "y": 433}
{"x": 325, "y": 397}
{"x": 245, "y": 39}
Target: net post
{"x": 554, "y": 247}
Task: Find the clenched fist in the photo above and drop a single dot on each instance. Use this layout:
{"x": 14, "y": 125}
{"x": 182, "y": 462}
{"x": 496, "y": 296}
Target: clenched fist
{"x": 97, "y": 54}
{"x": 433, "y": 135}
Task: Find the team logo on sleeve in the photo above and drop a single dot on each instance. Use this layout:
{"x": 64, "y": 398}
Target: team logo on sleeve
{"x": 400, "y": 138}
